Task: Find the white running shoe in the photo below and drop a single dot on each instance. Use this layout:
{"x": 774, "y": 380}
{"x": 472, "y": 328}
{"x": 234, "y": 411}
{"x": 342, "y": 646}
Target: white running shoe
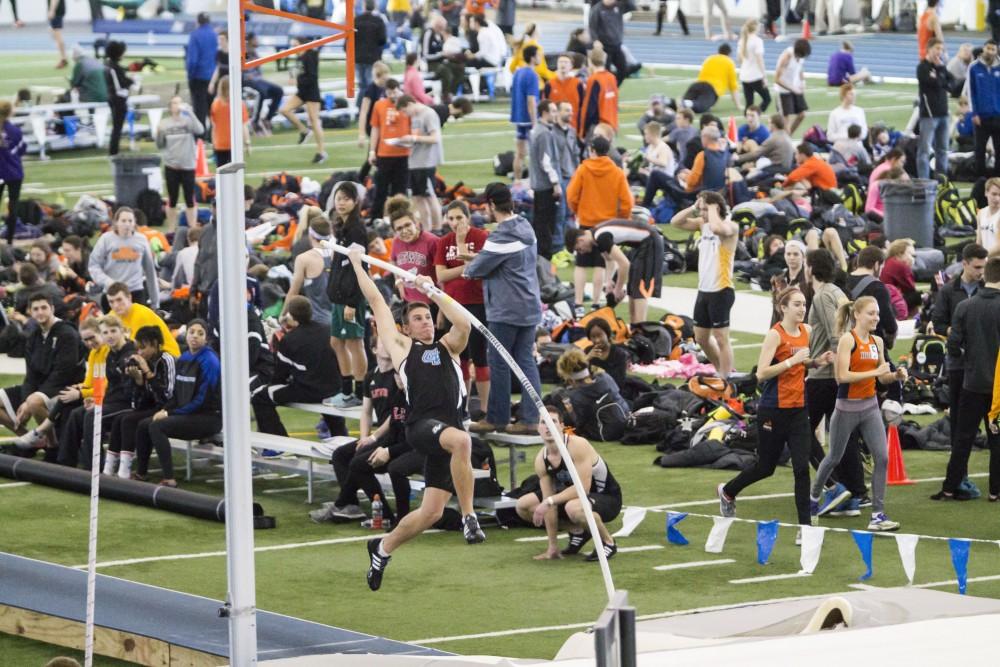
{"x": 881, "y": 523}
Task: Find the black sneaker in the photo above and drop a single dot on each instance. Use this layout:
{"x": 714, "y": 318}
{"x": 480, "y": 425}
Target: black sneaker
{"x": 470, "y": 528}
{"x": 304, "y": 135}
{"x": 609, "y": 551}
{"x": 576, "y": 542}
{"x": 865, "y": 501}
{"x": 378, "y": 563}
{"x": 319, "y": 158}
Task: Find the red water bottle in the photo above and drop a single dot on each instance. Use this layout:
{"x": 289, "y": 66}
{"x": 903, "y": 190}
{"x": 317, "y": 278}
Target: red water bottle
{"x": 377, "y": 513}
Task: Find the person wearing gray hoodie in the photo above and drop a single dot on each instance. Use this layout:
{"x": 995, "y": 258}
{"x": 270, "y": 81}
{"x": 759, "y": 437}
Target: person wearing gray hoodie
{"x": 122, "y": 255}
{"x": 506, "y": 265}
{"x": 176, "y": 136}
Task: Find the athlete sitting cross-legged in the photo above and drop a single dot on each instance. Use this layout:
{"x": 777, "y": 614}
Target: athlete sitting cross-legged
{"x": 432, "y": 380}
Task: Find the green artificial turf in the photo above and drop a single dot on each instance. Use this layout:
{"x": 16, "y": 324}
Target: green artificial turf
{"x": 438, "y": 586}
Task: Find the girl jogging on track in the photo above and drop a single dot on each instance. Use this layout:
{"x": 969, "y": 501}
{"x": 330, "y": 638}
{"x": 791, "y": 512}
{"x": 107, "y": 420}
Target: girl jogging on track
{"x": 782, "y": 418}
{"x": 859, "y": 363}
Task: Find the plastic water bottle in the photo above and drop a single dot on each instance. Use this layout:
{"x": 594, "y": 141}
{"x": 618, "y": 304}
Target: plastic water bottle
{"x": 377, "y": 513}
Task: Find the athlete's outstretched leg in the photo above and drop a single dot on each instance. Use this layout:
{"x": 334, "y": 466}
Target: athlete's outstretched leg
{"x": 458, "y": 443}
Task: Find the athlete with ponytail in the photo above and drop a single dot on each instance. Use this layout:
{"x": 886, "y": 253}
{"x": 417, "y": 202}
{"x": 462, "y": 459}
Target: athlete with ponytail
{"x": 859, "y": 363}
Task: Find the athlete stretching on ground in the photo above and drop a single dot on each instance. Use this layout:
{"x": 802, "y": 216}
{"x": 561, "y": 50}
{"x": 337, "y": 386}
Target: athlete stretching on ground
{"x": 432, "y": 379}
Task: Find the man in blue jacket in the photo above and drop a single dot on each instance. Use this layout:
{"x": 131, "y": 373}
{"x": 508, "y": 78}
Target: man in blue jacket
{"x": 984, "y": 95}
{"x": 506, "y": 265}
{"x": 202, "y": 48}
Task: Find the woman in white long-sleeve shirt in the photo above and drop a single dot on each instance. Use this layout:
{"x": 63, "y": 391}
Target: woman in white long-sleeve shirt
{"x": 176, "y": 136}
{"x": 845, "y": 115}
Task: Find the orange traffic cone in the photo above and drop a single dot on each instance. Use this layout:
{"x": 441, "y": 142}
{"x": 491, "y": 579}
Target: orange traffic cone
{"x": 897, "y": 469}
{"x": 201, "y": 162}
{"x": 731, "y": 133}
{"x": 806, "y": 30}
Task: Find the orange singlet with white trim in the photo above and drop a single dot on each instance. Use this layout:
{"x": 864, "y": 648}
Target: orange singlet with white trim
{"x": 864, "y": 358}
{"x": 788, "y": 389}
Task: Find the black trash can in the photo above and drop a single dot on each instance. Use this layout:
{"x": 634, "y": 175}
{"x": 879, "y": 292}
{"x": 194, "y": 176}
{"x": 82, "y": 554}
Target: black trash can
{"x": 909, "y": 210}
{"x": 134, "y": 173}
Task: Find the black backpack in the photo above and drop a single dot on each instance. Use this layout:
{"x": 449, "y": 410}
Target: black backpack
{"x": 483, "y": 459}
{"x": 659, "y": 336}
{"x": 151, "y": 204}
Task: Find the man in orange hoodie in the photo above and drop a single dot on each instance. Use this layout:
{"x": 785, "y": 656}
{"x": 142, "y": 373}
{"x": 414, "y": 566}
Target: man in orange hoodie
{"x": 597, "y": 192}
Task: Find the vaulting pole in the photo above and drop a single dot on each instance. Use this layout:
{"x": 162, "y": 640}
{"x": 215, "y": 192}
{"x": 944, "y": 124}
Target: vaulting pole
{"x": 231, "y": 234}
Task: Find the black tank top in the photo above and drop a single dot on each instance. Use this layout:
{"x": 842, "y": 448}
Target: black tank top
{"x": 601, "y": 479}
{"x": 433, "y": 383}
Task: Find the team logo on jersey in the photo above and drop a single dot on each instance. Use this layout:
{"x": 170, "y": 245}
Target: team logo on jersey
{"x": 431, "y": 356}
{"x": 437, "y": 428}
{"x": 871, "y": 353}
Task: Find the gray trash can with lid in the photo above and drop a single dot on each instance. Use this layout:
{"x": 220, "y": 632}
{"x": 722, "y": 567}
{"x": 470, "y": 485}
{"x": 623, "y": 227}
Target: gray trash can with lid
{"x": 909, "y": 210}
{"x": 134, "y": 173}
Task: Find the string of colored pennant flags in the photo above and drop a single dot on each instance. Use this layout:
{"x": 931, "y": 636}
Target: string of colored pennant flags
{"x": 812, "y": 542}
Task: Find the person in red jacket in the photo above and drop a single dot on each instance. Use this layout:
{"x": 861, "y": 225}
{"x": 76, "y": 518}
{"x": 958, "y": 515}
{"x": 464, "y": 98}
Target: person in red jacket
{"x": 898, "y": 272}
{"x": 600, "y": 99}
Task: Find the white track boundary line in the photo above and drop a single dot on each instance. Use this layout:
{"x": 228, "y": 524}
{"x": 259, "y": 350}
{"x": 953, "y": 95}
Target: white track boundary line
{"x": 772, "y": 496}
{"x": 641, "y": 547}
{"x": 540, "y": 538}
{"x": 644, "y": 617}
{"x": 211, "y": 554}
{"x": 697, "y": 563}
{"x": 770, "y": 577}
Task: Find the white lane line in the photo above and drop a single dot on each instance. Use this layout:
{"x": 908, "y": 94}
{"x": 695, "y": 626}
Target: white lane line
{"x": 770, "y": 577}
{"x": 641, "y": 547}
{"x": 212, "y": 554}
{"x": 540, "y": 538}
{"x": 697, "y": 563}
{"x": 954, "y": 582}
{"x": 12, "y": 485}
{"x": 771, "y": 496}
{"x": 643, "y": 617}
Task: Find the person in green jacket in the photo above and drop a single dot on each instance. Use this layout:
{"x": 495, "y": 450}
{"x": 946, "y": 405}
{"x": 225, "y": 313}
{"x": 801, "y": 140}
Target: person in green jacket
{"x": 88, "y": 77}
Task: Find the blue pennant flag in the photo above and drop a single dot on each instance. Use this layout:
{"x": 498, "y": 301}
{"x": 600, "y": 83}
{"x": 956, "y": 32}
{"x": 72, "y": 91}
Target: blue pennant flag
{"x": 960, "y": 561}
{"x": 864, "y": 542}
{"x": 674, "y": 536}
{"x": 767, "y": 535}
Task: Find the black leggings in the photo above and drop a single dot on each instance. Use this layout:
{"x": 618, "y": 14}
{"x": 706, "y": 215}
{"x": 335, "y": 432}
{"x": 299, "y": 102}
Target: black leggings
{"x": 150, "y": 435}
{"x": 776, "y": 428}
{"x": 358, "y": 474}
{"x": 124, "y": 428}
{"x": 265, "y": 402}
{"x": 392, "y": 175}
{"x": 13, "y": 195}
{"x": 821, "y": 397}
{"x": 119, "y": 111}
{"x": 178, "y": 179}
{"x": 759, "y": 87}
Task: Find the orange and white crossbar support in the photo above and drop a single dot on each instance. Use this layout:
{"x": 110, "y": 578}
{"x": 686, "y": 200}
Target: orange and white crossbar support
{"x": 346, "y": 33}
{"x": 100, "y": 385}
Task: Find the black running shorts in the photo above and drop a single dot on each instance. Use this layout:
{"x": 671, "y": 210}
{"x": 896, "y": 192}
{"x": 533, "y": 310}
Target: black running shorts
{"x": 711, "y": 309}
{"x": 604, "y": 505}
{"x": 424, "y": 436}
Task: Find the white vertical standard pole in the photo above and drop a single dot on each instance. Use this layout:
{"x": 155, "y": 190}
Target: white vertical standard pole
{"x": 231, "y": 234}
{"x": 95, "y": 486}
